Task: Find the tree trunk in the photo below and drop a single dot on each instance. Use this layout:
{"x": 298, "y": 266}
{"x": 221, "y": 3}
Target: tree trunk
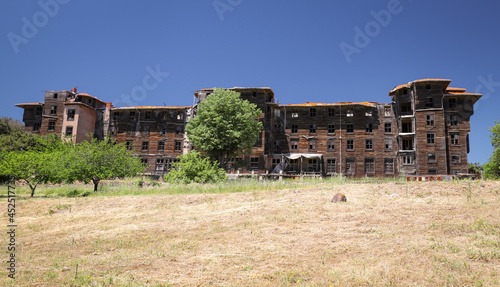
{"x": 32, "y": 187}
{"x": 96, "y": 183}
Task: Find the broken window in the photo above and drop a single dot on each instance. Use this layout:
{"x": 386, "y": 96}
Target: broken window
{"x": 388, "y": 128}
{"x": 161, "y": 146}
{"x": 350, "y": 113}
{"x": 406, "y": 126}
{"x": 277, "y": 128}
{"x": 160, "y": 164}
{"x": 408, "y": 144}
{"x": 180, "y": 115}
{"x": 163, "y": 130}
{"x": 144, "y": 162}
{"x": 369, "y": 144}
{"x": 454, "y": 138}
{"x": 312, "y": 145}
{"x": 147, "y": 115}
{"x": 178, "y": 145}
{"x": 331, "y": 112}
{"x": 406, "y": 108}
{"x": 53, "y": 110}
{"x": 116, "y": 115}
{"x": 294, "y": 144}
{"x": 36, "y": 126}
{"x": 431, "y": 138}
{"x": 71, "y": 115}
{"x": 432, "y": 171}
{"x": 388, "y": 165}
{"x": 254, "y": 163}
{"x": 350, "y": 128}
{"x": 254, "y": 94}
{"x": 331, "y": 165}
{"x": 313, "y": 164}
{"x": 69, "y": 131}
{"x": 455, "y": 158}
{"x": 275, "y": 162}
{"x": 145, "y": 146}
{"x": 179, "y": 130}
{"x": 452, "y": 103}
{"x": 295, "y": 114}
{"x": 431, "y": 157}
{"x": 312, "y": 112}
{"x": 145, "y": 131}
{"x": 52, "y": 126}
{"x": 312, "y": 129}
{"x": 369, "y": 127}
{"x": 369, "y": 113}
{"x": 453, "y": 120}
{"x": 387, "y": 111}
{"x": 369, "y": 165}
{"x": 131, "y": 115}
{"x": 295, "y": 129}
{"x": 331, "y": 128}
{"x": 407, "y": 159}
{"x": 430, "y": 119}
{"x": 55, "y": 95}
{"x": 350, "y": 144}
{"x": 276, "y": 145}
{"x": 388, "y": 144}
{"x": 38, "y": 110}
{"x": 429, "y": 102}
{"x": 129, "y": 144}
{"x": 277, "y": 113}
{"x": 331, "y": 144}
{"x": 350, "y": 166}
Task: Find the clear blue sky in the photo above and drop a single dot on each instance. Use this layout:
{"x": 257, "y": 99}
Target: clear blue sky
{"x": 292, "y": 46}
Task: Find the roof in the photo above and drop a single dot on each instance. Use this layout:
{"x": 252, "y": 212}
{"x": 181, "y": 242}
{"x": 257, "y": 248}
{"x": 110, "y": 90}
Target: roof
{"x": 369, "y": 104}
{"x": 240, "y": 88}
{"x": 455, "y": 89}
{"x": 28, "y": 104}
{"x": 150, "y": 108}
{"x": 90, "y": 96}
{"x": 447, "y": 81}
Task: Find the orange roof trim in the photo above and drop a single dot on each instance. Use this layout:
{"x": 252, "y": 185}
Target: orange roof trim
{"x": 370, "y": 104}
{"x": 150, "y": 107}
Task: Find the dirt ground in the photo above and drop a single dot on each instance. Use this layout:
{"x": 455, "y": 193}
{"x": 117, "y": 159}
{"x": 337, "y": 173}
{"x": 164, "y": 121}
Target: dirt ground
{"x": 389, "y": 234}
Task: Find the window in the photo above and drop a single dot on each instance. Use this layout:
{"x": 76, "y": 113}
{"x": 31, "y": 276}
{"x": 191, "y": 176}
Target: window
{"x": 312, "y": 129}
{"x": 350, "y": 166}
{"x": 147, "y": 115}
{"x": 254, "y": 94}
{"x": 369, "y": 113}
{"x": 452, "y": 103}
{"x": 331, "y": 112}
{"x": 145, "y": 146}
{"x": 145, "y": 131}
{"x": 369, "y": 127}
{"x": 387, "y": 111}
{"x": 350, "y": 113}
{"x": 455, "y": 171}
{"x": 53, "y": 110}
{"x": 331, "y": 165}
{"x": 295, "y": 129}
{"x": 312, "y": 164}
{"x": 36, "y": 126}
{"x": 116, "y": 115}
{"x": 38, "y": 110}
{"x": 407, "y": 159}
{"x": 407, "y": 144}
{"x": 178, "y": 145}
{"x": 295, "y": 114}
{"x": 163, "y": 131}
{"x": 69, "y": 131}
{"x": 369, "y": 165}
{"x": 178, "y": 130}
{"x": 131, "y": 115}
{"x": 330, "y": 144}
{"x": 388, "y": 165}
{"x": 312, "y": 112}
{"x": 350, "y": 144}
{"x": 455, "y": 158}
{"x": 369, "y": 144}
{"x": 129, "y": 144}
{"x": 430, "y": 119}
{"x": 429, "y": 102}
{"x": 406, "y": 108}
{"x": 432, "y": 171}
{"x": 277, "y": 128}
{"x": 388, "y": 128}
{"x": 431, "y": 157}
{"x": 144, "y": 162}
{"x": 254, "y": 163}
{"x": 277, "y": 113}
{"x": 331, "y": 128}
{"x": 275, "y": 162}
{"x": 52, "y": 126}
{"x": 388, "y": 144}
{"x": 294, "y": 144}
{"x": 130, "y": 133}
{"x": 161, "y": 146}
{"x": 55, "y": 95}
{"x": 428, "y": 86}
{"x": 431, "y": 138}
{"x": 312, "y": 145}
{"x": 350, "y": 128}
{"x": 160, "y": 164}
{"x": 453, "y": 120}
{"x": 276, "y": 145}
{"x": 454, "y": 138}
{"x": 71, "y": 115}
{"x": 180, "y": 115}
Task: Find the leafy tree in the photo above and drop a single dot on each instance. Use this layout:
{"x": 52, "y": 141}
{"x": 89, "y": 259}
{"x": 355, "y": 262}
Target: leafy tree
{"x": 193, "y": 167}
{"x": 225, "y": 125}
{"x": 492, "y": 167}
{"x": 93, "y": 161}
{"x": 14, "y": 138}
{"x": 34, "y": 167}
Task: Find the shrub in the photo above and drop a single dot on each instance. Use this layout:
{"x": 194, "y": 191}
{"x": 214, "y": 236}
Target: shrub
{"x": 193, "y": 167}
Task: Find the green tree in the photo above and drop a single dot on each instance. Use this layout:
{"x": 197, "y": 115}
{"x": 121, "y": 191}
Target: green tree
{"x": 34, "y": 167}
{"x": 225, "y": 125}
{"x": 492, "y": 167}
{"x": 93, "y": 161}
{"x": 193, "y": 167}
{"x": 13, "y": 136}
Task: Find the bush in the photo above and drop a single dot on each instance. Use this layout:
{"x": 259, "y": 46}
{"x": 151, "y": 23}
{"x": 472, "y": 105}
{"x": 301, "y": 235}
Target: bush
{"x": 193, "y": 167}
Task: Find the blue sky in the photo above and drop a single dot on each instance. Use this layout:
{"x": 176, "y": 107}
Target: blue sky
{"x": 113, "y": 49}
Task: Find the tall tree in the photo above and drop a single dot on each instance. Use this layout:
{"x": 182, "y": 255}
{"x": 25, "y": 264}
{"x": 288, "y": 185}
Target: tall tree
{"x": 492, "y": 167}
{"x": 225, "y": 125}
{"x": 93, "y": 161}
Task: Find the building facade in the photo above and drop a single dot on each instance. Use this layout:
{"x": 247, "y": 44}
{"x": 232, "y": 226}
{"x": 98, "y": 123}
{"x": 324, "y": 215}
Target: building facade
{"x": 423, "y": 131}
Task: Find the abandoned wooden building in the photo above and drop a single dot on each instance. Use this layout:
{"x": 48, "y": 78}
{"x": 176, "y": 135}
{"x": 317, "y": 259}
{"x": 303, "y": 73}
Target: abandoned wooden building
{"x": 423, "y": 131}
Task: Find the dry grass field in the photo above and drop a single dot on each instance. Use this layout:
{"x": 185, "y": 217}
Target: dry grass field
{"x": 386, "y": 234}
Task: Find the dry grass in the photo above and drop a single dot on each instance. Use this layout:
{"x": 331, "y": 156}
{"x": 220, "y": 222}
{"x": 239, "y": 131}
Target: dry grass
{"x": 415, "y": 234}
